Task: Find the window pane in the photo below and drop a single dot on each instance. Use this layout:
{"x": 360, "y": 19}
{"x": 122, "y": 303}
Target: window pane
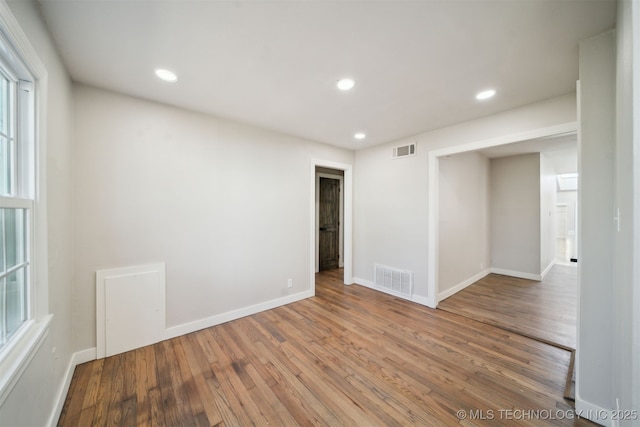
{"x": 17, "y": 179}
{"x": 14, "y": 236}
{"x": 15, "y": 301}
{"x": 6, "y": 166}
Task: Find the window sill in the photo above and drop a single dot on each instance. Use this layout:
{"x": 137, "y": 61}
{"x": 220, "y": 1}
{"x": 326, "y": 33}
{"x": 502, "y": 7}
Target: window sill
{"x": 17, "y": 358}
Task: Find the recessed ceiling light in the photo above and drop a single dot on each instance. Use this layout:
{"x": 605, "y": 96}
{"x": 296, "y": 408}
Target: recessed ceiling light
{"x": 345, "y": 84}
{"x": 166, "y": 75}
{"x": 485, "y": 94}
{"x": 359, "y": 135}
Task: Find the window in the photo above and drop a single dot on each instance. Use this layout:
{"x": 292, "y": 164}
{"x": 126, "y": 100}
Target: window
{"x": 17, "y": 175}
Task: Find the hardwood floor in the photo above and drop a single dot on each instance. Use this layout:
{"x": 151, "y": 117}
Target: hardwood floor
{"x": 349, "y": 356}
{"x": 543, "y": 310}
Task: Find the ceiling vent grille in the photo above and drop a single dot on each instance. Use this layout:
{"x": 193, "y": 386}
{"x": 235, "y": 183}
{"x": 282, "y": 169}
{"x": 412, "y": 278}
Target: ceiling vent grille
{"x": 393, "y": 280}
{"x": 404, "y": 151}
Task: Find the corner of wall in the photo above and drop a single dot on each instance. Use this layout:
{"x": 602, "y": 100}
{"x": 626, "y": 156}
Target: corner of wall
{"x": 77, "y": 359}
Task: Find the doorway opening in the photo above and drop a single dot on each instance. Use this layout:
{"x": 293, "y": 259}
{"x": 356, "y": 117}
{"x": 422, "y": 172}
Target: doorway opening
{"x": 433, "y": 296}
{"x": 508, "y": 273}
{"x": 331, "y": 218}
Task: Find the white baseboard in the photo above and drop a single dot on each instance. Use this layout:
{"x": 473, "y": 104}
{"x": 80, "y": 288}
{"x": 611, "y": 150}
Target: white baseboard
{"x": 91, "y": 353}
{"x": 76, "y": 359}
{"x": 421, "y": 300}
{"x": 593, "y": 412}
{"x": 518, "y": 274}
{"x": 369, "y": 284}
{"x": 363, "y": 282}
{"x": 460, "y": 286}
{"x": 187, "y": 328}
{"x": 85, "y": 356}
{"x": 547, "y": 270}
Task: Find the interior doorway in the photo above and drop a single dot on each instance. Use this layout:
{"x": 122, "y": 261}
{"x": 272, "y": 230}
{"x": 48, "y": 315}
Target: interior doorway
{"x": 532, "y": 184}
{"x": 344, "y": 172}
{"x": 329, "y": 219}
{"x": 328, "y": 223}
{"x": 502, "y": 146}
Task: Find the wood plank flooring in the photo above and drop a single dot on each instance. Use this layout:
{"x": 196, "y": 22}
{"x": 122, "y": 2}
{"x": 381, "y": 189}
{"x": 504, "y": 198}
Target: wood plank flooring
{"x": 543, "y": 310}
{"x": 349, "y": 356}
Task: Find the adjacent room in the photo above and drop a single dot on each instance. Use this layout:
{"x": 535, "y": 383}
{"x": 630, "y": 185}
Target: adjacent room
{"x": 506, "y": 240}
{"x": 303, "y": 213}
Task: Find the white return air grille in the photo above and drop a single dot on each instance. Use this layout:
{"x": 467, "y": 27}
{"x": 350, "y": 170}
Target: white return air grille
{"x": 393, "y": 280}
{"x": 404, "y": 151}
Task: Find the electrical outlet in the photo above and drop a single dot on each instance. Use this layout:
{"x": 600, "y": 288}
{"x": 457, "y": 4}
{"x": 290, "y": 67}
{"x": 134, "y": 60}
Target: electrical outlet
{"x": 290, "y": 283}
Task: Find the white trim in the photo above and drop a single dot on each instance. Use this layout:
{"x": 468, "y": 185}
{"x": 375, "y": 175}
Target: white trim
{"x": 76, "y": 359}
{"x": 20, "y": 355}
{"x": 547, "y": 270}
{"x": 23, "y": 352}
{"x": 22, "y": 46}
{"x": 433, "y": 189}
{"x": 518, "y": 274}
{"x": 20, "y": 42}
{"x": 420, "y": 300}
{"x": 592, "y": 412}
{"x": 101, "y": 277}
{"x": 340, "y": 178}
{"x": 369, "y": 284}
{"x": 634, "y": 20}
{"x": 348, "y": 218}
{"x": 186, "y": 328}
{"x": 16, "y": 203}
{"x": 84, "y": 356}
{"x": 556, "y": 130}
{"x": 433, "y": 219}
{"x": 460, "y": 286}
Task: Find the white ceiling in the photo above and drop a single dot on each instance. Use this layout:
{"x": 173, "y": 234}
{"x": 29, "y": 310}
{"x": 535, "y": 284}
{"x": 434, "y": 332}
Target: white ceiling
{"x": 417, "y": 64}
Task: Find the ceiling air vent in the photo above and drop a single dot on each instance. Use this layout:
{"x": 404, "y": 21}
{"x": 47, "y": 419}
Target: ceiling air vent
{"x": 404, "y": 151}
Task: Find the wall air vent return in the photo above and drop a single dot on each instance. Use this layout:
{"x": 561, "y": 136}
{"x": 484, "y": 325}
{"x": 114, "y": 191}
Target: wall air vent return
{"x": 393, "y": 281}
{"x": 404, "y": 151}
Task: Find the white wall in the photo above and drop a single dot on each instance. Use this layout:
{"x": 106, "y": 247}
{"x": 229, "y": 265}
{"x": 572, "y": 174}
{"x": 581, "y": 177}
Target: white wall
{"x": 547, "y": 213}
{"x": 464, "y": 240}
{"x": 594, "y": 355}
{"x": 515, "y": 213}
{"x": 35, "y": 395}
{"x": 391, "y": 196}
{"x": 627, "y": 187}
{"x": 225, "y": 205}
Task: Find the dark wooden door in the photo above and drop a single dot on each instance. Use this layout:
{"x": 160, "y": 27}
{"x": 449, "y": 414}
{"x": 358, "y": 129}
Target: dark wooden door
{"x": 329, "y": 222}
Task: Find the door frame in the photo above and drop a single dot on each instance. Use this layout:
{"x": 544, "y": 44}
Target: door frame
{"x": 347, "y": 227}
{"x": 433, "y": 219}
{"x": 340, "y": 179}
{"x": 566, "y": 231}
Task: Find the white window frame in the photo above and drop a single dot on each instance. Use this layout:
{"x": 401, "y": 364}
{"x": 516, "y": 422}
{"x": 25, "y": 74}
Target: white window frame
{"x": 21, "y": 122}
{"x": 16, "y": 356}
